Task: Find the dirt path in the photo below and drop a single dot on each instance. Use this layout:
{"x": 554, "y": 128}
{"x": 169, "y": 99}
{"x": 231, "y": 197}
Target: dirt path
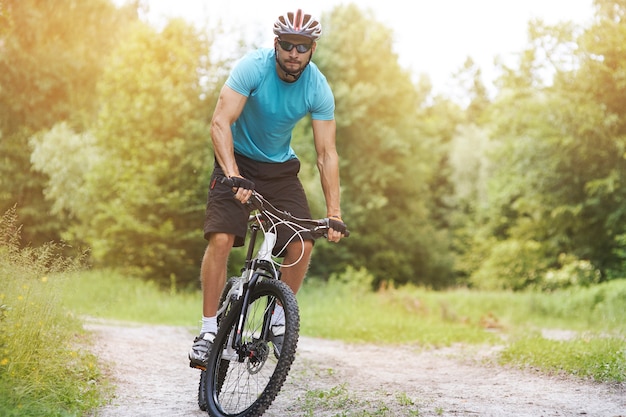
{"x": 150, "y": 368}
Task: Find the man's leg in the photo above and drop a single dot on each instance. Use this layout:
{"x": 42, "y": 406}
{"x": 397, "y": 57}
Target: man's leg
{"x": 294, "y": 275}
{"x": 214, "y": 270}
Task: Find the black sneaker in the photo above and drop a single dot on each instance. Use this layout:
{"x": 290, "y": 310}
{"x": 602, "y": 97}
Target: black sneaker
{"x": 199, "y": 353}
{"x": 277, "y": 335}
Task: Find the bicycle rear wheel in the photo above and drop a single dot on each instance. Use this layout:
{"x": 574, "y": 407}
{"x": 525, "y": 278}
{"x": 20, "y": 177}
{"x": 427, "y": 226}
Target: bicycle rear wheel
{"x": 244, "y": 382}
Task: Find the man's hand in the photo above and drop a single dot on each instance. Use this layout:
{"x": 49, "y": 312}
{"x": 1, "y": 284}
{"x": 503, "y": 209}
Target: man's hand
{"x": 337, "y": 229}
{"x": 242, "y": 187}
{"x": 241, "y": 182}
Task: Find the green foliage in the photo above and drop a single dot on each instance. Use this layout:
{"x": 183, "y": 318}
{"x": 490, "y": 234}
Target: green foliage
{"x": 51, "y": 55}
{"x": 557, "y": 163}
{"x": 511, "y": 264}
{"x": 137, "y": 182}
{"x": 106, "y": 118}
{"x": 470, "y": 166}
{"x": 573, "y": 272}
{"x": 67, "y": 158}
{"x": 38, "y": 338}
{"x": 357, "y": 282}
{"x": 386, "y": 161}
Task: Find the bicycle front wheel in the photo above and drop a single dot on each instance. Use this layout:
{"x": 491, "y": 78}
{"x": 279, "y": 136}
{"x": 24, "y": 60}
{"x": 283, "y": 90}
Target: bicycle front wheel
{"x": 244, "y": 381}
{"x": 202, "y": 388}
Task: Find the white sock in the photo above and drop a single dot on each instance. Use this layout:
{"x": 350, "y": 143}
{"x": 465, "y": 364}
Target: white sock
{"x": 278, "y": 318}
{"x": 209, "y": 324}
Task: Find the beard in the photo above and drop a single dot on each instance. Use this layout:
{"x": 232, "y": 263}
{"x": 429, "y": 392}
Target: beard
{"x": 292, "y": 67}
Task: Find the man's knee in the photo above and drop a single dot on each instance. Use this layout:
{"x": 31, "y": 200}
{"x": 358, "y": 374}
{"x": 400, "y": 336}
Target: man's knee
{"x": 220, "y": 242}
{"x": 298, "y": 248}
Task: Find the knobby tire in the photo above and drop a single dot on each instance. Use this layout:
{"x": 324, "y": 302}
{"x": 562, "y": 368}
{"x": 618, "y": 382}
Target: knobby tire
{"x": 247, "y": 387}
{"x": 202, "y": 389}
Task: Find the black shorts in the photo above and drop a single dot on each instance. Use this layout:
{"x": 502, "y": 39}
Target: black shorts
{"x": 277, "y": 182}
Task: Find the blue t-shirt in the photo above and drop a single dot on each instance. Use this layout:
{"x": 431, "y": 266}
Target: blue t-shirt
{"x": 263, "y": 130}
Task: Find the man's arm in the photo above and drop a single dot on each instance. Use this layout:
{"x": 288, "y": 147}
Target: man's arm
{"x": 229, "y": 106}
{"x": 328, "y": 165}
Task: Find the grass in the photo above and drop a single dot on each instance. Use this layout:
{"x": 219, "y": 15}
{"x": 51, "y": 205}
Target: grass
{"x": 337, "y": 311}
{"x": 352, "y": 404}
{"x": 109, "y": 294}
{"x": 598, "y": 358}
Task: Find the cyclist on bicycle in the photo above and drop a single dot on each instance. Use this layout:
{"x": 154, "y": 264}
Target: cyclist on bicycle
{"x": 266, "y": 94}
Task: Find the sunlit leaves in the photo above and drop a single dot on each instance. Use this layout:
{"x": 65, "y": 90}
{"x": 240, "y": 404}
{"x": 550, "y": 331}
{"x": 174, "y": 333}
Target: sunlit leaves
{"x": 383, "y": 143}
{"x": 148, "y": 190}
{"x": 558, "y": 169}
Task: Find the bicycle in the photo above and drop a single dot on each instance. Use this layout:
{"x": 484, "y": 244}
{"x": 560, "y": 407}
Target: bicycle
{"x": 243, "y": 375}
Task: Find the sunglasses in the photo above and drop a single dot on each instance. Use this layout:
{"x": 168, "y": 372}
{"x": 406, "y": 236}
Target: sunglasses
{"x": 301, "y": 47}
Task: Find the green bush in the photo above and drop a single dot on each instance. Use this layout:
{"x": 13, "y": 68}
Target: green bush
{"x": 511, "y": 265}
{"x": 572, "y": 272}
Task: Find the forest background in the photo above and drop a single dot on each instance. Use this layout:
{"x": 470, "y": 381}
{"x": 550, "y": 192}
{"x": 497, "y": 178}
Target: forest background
{"x": 104, "y": 145}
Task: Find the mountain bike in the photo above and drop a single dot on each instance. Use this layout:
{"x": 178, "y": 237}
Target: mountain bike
{"x": 247, "y": 366}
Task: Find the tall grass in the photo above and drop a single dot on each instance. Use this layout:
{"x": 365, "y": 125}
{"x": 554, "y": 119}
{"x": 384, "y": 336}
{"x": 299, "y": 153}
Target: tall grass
{"x": 44, "y": 369}
{"x": 350, "y": 312}
{"x": 594, "y": 320}
{"x": 109, "y": 294}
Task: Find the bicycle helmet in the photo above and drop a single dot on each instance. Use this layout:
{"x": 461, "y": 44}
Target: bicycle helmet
{"x": 298, "y": 23}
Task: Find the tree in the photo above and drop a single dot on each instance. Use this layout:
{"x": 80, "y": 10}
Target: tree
{"x": 151, "y": 188}
{"x": 140, "y": 198}
{"x": 556, "y": 192}
{"x": 51, "y": 54}
{"x": 386, "y": 161}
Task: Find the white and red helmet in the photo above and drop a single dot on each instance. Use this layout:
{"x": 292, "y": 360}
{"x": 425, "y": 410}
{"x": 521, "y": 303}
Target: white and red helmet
{"x": 298, "y": 23}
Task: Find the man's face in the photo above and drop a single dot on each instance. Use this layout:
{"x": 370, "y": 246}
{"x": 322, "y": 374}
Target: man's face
{"x": 293, "y": 60}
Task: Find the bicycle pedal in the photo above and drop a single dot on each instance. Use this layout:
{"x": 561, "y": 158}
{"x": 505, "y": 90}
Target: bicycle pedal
{"x": 194, "y": 366}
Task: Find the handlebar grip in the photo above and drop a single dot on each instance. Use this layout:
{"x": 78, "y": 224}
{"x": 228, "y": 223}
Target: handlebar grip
{"x": 327, "y": 223}
{"x": 238, "y": 182}
{"x": 226, "y": 181}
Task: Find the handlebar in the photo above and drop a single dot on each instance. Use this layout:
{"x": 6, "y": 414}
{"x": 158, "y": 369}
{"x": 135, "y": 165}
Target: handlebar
{"x": 317, "y": 227}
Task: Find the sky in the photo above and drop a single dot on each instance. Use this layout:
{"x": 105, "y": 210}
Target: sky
{"x": 432, "y": 37}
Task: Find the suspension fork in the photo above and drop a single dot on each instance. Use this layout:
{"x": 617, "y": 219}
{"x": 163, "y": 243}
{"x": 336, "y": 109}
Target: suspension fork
{"x": 260, "y": 271}
{"x": 258, "y": 268}
{"x": 248, "y": 286}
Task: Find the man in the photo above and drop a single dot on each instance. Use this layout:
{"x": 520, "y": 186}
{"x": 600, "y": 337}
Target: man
{"x": 267, "y": 93}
